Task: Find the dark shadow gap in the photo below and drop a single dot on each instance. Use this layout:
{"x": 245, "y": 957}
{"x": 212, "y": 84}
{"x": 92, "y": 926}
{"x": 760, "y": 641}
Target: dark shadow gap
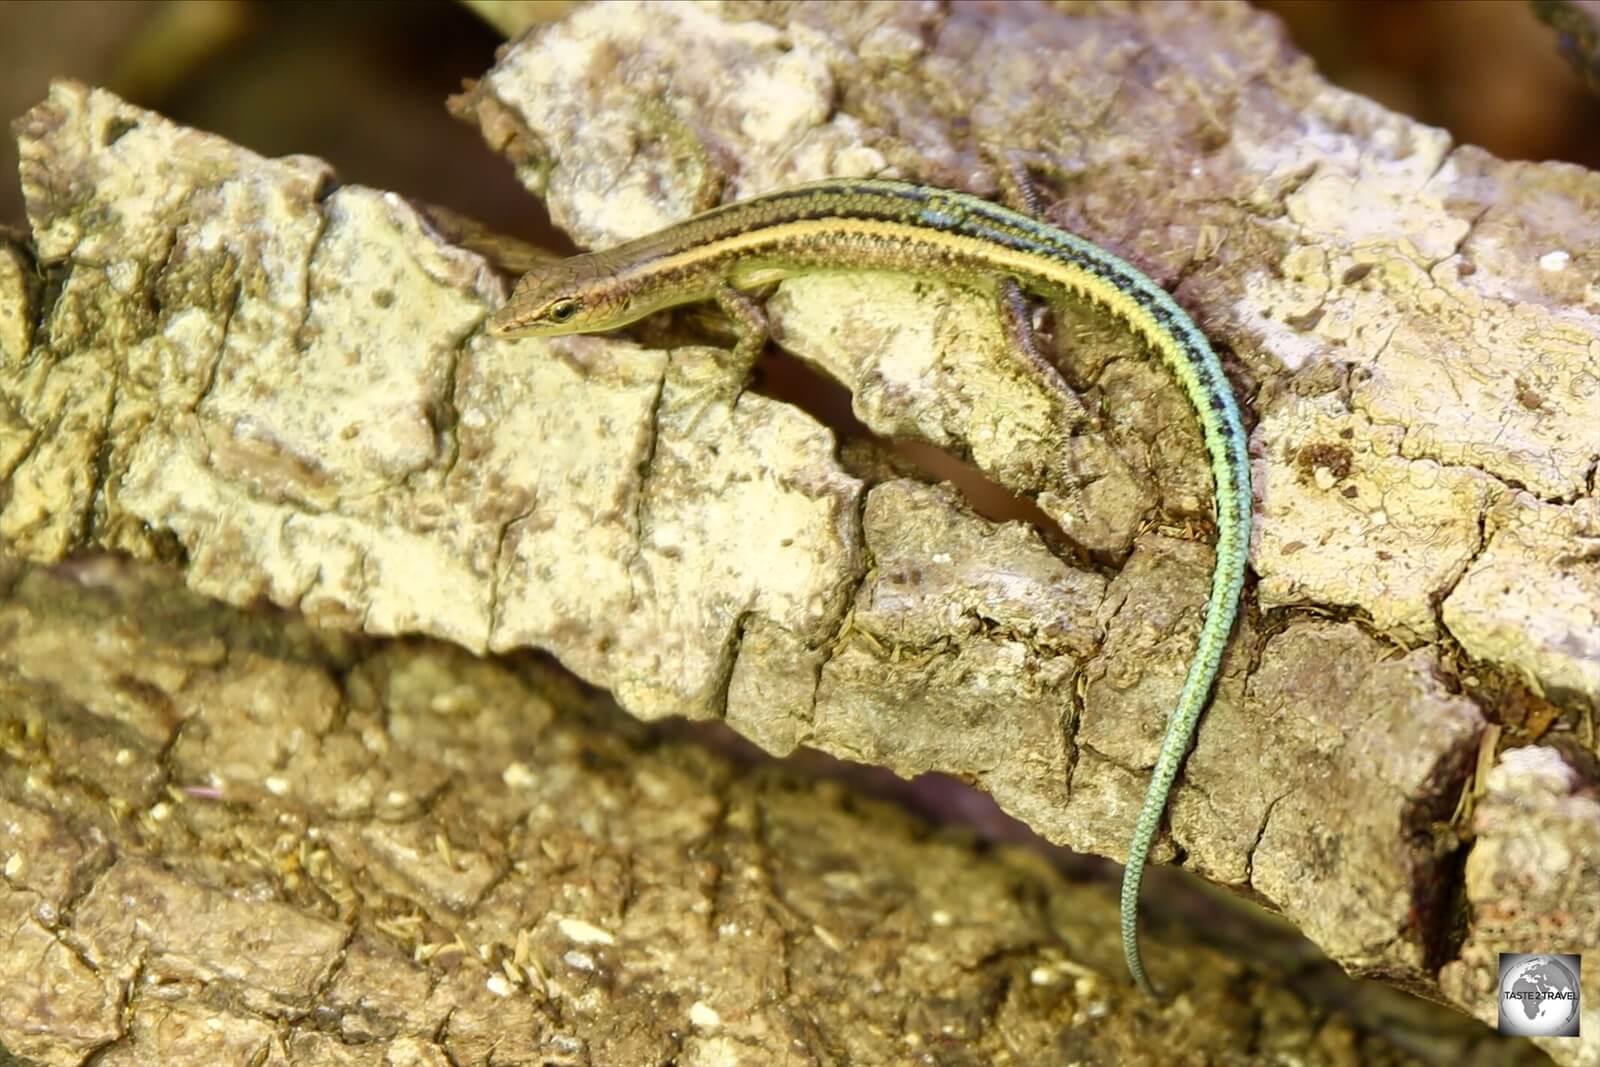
{"x": 792, "y": 380}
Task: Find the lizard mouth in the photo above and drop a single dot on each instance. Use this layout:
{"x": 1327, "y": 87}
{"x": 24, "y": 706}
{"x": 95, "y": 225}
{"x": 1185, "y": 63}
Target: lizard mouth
{"x": 505, "y": 323}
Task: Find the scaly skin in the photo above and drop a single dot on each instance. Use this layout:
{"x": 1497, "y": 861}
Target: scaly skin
{"x": 850, "y": 224}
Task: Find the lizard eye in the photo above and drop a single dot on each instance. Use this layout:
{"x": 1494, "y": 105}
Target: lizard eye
{"x": 562, "y": 310}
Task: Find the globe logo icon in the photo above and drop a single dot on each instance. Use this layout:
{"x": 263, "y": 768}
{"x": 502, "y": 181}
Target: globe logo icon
{"x": 1538, "y": 995}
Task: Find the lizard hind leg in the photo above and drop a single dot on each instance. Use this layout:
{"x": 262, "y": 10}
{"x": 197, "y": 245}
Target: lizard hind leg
{"x": 1016, "y": 320}
{"x": 1017, "y": 190}
{"x": 749, "y": 323}
{"x": 1016, "y": 315}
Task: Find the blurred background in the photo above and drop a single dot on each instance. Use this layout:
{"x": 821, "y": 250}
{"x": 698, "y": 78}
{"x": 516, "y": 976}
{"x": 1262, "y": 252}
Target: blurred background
{"x": 362, "y": 84}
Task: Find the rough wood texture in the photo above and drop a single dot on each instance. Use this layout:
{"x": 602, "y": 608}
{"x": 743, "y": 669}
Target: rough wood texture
{"x": 286, "y": 390}
{"x": 232, "y": 840}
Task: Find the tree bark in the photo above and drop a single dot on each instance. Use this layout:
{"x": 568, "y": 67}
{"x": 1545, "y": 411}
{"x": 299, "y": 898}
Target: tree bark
{"x": 280, "y": 386}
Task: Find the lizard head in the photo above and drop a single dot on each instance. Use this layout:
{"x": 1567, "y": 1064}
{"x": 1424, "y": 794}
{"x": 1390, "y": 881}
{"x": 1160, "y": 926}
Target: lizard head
{"x": 577, "y": 295}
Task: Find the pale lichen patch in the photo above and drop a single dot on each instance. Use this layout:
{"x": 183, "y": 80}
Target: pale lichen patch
{"x": 641, "y": 572}
{"x": 1532, "y": 598}
{"x": 1347, "y": 520}
{"x": 16, "y": 316}
{"x": 927, "y": 361}
{"x": 642, "y": 165}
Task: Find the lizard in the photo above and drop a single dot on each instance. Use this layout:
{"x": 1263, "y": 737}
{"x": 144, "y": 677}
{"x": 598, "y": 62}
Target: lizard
{"x": 726, "y": 252}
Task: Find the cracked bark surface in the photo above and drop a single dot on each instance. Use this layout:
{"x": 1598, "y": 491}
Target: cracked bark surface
{"x": 232, "y": 838}
{"x": 281, "y": 384}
